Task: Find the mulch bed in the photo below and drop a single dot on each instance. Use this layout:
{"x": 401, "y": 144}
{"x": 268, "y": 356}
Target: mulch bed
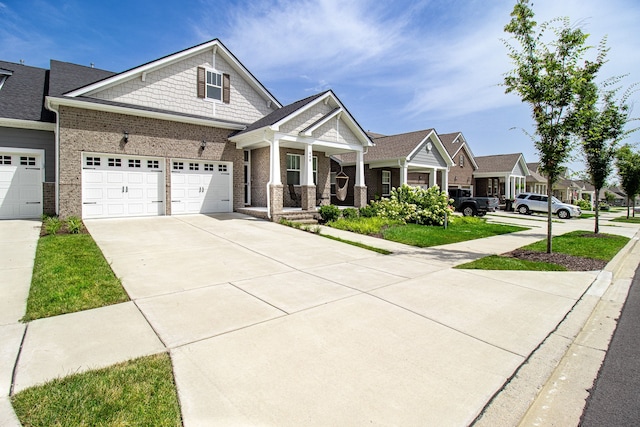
{"x": 570, "y": 262}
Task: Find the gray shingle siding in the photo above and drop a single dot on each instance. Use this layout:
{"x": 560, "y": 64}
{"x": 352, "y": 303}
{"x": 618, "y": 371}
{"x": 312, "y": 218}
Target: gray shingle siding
{"x": 34, "y": 139}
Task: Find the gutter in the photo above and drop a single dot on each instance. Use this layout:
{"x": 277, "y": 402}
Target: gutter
{"x": 54, "y": 108}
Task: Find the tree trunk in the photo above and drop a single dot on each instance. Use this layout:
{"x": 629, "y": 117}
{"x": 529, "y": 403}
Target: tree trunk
{"x": 549, "y": 231}
{"x": 597, "y": 209}
{"x": 628, "y": 204}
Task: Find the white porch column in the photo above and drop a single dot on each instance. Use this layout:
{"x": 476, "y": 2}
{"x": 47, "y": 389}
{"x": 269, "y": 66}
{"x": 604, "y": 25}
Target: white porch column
{"x": 403, "y": 173}
{"x": 275, "y": 163}
{"x": 432, "y": 177}
{"x": 445, "y": 180}
{"x": 360, "y": 169}
{"x": 307, "y": 167}
{"x": 507, "y": 186}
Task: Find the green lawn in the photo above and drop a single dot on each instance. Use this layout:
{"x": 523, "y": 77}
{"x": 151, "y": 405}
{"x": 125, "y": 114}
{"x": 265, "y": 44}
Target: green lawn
{"x": 631, "y": 219}
{"x": 70, "y": 274}
{"x": 459, "y": 230}
{"x": 577, "y": 243}
{"x": 139, "y": 392}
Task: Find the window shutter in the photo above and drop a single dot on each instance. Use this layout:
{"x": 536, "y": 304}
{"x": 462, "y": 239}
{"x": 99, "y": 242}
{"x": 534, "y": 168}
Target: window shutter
{"x": 226, "y": 88}
{"x": 201, "y": 82}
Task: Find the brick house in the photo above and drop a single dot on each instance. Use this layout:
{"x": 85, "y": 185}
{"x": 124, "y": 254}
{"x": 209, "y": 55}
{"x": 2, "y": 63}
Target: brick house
{"x": 461, "y": 173}
{"x": 501, "y": 175}
{"x": 414, "y": 158}
{"x": 192, "y": 132}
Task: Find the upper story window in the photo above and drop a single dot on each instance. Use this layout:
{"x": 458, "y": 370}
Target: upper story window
{"x": 461, "y": 160}
{"x": 214, "y": 85}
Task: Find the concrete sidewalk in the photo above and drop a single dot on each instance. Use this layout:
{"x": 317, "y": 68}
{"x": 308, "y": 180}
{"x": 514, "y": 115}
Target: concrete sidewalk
{"x": 269, "y": 325}
{"x": 18, "y": 242}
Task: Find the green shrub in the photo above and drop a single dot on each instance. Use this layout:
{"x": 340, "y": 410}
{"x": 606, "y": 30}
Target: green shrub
{"x": 414, "y": 204}
{"x": 350, "y": 213}
{"x": 368, "y": 211}
{"x": 329, "y": 213}
{"x": 74, "y": 225}
{"x": 584, "y": 204}
{"x": 52, "y": 225}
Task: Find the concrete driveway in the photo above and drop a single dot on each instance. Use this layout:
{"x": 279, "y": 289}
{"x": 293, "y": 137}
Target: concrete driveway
{"x": 267, "y": 325}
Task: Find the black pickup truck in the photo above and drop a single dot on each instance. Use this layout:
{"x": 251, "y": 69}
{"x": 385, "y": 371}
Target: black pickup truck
{"x": 472, "y": 206}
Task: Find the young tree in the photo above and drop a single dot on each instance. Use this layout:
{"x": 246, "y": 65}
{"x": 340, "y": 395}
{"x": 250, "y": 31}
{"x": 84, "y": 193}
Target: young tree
{"x": 628, "y": 164}
{"x": 546, "y": 76}
{"x": 600, "y": 122}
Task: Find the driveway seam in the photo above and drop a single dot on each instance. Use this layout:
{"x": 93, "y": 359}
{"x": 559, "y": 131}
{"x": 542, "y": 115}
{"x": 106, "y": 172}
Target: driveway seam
{"x": 14, "y": 372}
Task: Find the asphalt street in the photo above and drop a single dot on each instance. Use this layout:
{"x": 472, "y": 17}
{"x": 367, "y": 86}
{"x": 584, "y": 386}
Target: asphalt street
{"x": 615, "y": 400}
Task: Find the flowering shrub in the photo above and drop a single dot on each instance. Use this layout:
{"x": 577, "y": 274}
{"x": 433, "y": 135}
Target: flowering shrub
{"x": 414, "y": 204}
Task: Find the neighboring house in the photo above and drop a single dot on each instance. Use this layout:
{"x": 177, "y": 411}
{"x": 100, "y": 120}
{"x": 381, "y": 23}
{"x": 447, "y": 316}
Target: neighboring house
{"x": 461, "y": 173}
{"x": 27, "y": 149}
{"x": 536, "y": 183}
{"x": 192, "y": 132}
{"x": 414, "y": 158}
{"x": 501, "y": 175}
{"x": 564, "y": 189}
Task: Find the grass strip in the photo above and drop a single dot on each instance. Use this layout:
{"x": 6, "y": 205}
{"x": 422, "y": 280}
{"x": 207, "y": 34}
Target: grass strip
{"x": 70, "y": 274}
{"x": 630, "y": 220}
{"x": 426, "y": 236}
{"x": 358, "y": 244}
{"x": 496, "y": 262}
{"x": 139, "y": 392}
{"x": 583, "y": 244}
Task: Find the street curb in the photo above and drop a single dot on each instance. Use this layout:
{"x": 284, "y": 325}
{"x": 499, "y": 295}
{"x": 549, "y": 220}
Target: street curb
{"x": 552, "y": 384}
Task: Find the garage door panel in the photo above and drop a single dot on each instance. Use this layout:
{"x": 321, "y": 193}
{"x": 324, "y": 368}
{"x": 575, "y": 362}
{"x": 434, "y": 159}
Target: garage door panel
{"x": 204, "y": 188}
{"x": 20, "y": 185}
{"x": 122, "y": 186}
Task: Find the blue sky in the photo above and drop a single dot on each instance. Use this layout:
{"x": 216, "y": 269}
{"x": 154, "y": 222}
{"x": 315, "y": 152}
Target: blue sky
{"x": 398, "y": 66}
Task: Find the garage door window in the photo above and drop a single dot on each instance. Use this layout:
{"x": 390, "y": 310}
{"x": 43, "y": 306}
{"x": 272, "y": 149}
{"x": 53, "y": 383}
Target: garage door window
{"x": 92, "y": 161}
{"x": 222, "y": 168}
{"x": 194, "y": 166}
{"x": 27, "y": 161}
{"x": 115, "y": 163}
{"x": 178, "y": 166}
{"x": 5, "y": 160}
{"x": 208, "y": 167}
{"x": 134, "y": 163}
{"x": 153, "y": 164}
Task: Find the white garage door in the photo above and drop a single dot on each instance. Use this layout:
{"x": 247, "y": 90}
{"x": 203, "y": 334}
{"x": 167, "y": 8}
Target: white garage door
{"x": 21, "y": 176}
{"x": 120, "y": 186}
{"x": 200, "y": 187}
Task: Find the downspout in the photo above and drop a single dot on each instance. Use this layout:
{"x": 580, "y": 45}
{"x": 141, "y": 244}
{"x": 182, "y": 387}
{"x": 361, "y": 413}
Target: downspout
{"x": 56, "y": 138}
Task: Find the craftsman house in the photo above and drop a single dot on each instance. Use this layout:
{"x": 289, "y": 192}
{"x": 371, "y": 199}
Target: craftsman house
{"x": 192, "y": 132}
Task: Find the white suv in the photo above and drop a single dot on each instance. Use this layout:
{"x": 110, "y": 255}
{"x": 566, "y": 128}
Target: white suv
{"x": 530, "y": 202}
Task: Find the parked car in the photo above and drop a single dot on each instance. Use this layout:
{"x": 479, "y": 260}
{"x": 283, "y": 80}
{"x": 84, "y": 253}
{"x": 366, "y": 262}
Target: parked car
{"x": 472, "y": 206}
{"x": 526, "y": 203}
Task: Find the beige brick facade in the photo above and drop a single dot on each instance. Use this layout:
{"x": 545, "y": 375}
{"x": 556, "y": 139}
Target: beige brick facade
{"x": 100, "y": 132}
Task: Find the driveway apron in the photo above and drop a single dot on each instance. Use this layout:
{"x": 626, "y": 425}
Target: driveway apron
{"x": 268, "y": 325}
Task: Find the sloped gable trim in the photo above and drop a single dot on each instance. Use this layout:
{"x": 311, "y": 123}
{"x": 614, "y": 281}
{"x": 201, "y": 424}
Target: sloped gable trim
{"x": 310, "y": 129}
{"x": 437, "y": 144}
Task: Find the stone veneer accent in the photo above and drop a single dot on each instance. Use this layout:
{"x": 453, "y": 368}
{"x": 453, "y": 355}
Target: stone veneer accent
{"x": 308, "y": 197}
{"x": 360, "y": 196}
{"x": 275, "y": 207}
{"x": 101, "y": 132}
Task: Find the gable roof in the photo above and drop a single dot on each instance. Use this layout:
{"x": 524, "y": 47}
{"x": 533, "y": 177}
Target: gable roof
{"x": 66, "y": 76}
{"x": 453, "y": 143}
{"x": 498, "y": 163}
{"x": 214, "y": 45}
{"x": 22, "y": 94}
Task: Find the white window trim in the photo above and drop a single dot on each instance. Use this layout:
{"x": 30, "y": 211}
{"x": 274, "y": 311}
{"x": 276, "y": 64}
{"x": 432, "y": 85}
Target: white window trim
{"x": 206, "y": 84}
{"x": 315, "y": 168}
{"x": 386, "y": 173}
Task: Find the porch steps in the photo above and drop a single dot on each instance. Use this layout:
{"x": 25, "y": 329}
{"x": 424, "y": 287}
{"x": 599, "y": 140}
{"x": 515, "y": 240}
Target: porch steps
{"x": 308, "y": 218}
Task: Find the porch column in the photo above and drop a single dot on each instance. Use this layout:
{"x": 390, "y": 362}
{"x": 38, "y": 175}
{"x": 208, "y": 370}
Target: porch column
{"x": 360, "y": 188}
{"x": 507, "y": 186}
{"x": 403, "y": 173}
{"x": 445, "y": 180}
{"x": 308, "y": 189}
{"x": 432, "y": 177}
{"x": 275, "y": 190}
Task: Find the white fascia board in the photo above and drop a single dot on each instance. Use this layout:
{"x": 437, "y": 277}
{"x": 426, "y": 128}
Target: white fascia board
{"x": 27, "y": 124}
{"x": 303, "y": 140}
{"x": 53, "y": 103}
{"x": 424, "y": 166}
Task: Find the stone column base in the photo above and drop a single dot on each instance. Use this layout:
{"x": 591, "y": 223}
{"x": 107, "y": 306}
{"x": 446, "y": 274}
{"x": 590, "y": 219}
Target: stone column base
{"x": 308, "y": 197}
{"x": 276, "y": 202}
{"x": 360, "y": 196}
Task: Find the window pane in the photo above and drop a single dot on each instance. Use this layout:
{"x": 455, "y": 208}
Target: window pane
{"x": 214, "y": 92}
{"x": 293, "y": 177}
